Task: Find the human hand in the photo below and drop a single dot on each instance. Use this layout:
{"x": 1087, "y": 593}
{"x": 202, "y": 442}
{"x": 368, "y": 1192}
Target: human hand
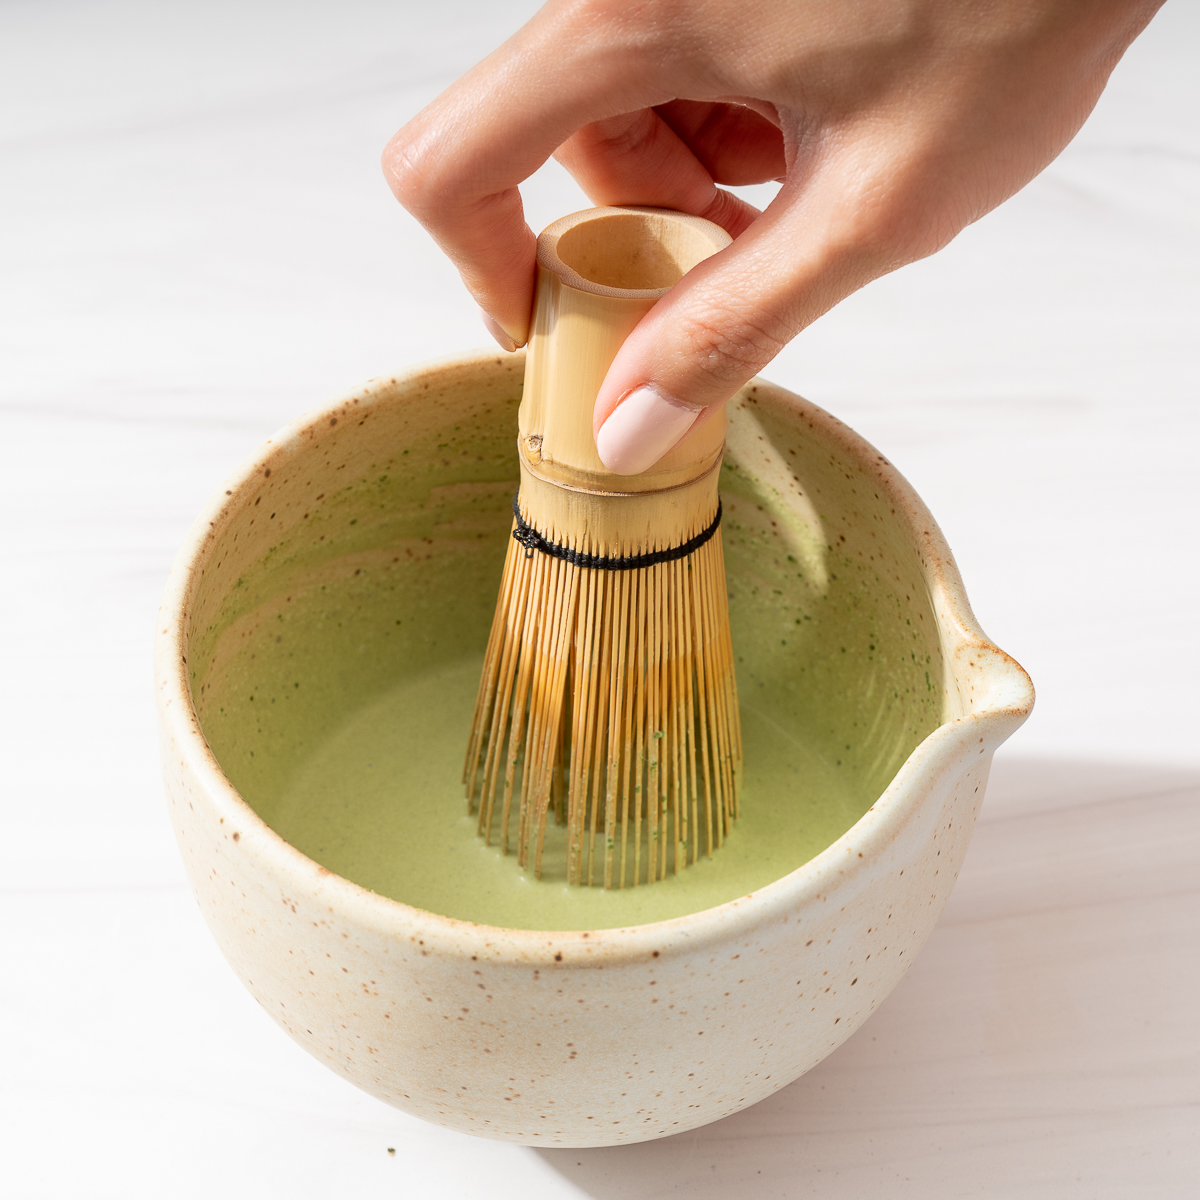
{"x": 892, "y": 125}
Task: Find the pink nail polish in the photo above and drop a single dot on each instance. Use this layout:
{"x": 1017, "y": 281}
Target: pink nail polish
{"x": 641, "y": 429}
{"x": 497, "y": 331}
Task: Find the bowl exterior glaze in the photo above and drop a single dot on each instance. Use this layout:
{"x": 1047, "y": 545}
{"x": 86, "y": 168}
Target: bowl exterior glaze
{"x": 577, "y": 1038}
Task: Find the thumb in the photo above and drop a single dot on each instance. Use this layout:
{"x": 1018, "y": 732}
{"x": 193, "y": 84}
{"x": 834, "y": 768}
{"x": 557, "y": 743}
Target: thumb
{"x": 723, "y": 322}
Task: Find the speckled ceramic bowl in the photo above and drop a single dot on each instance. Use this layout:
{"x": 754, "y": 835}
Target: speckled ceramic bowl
{"x": 614, "y": 1035}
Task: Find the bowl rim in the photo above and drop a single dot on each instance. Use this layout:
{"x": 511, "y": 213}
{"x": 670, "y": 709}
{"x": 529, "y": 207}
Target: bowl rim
{"x": 842, "y": 863}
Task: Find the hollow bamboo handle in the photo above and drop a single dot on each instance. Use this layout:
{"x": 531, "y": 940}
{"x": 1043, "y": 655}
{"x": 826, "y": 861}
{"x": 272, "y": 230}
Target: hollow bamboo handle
{"x": 598, "y": 273}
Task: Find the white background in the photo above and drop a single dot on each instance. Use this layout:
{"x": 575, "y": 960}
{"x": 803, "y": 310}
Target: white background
{"x": 196, "y": 244}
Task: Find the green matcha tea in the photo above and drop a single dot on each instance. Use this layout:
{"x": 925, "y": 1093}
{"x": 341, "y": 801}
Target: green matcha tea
{"x": 336, "y": 682}
{"x": 388, "y": 812}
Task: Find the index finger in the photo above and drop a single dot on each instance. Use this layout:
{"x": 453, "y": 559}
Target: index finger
{"x": 456, "y": 166}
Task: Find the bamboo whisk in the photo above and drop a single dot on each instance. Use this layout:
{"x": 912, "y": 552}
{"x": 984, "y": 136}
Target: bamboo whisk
{"x": 608, "y": 691}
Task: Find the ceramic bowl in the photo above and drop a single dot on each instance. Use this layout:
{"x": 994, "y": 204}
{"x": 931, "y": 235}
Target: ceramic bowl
{"x": 600, "y": 1036}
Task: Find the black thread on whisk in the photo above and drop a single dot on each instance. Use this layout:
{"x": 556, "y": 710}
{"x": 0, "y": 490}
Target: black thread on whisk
{"x": 527, "y": 536}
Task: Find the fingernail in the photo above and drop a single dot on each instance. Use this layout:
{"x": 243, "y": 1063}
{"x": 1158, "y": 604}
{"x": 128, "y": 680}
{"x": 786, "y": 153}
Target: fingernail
{"x": 497, "y": 331}
{"x": 641, "y": 429}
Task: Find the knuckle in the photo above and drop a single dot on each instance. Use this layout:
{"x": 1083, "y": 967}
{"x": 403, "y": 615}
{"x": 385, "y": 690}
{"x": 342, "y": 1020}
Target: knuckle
{"x": 629, "y": 134}
{"x": 408, "y": 172}
{"x": 612, "y": 16}
{"x": 640, "y": 32}
{"x": 730, "y": 347}
{"x": 583, "y": 14}
{"x": 890, "y": 235}
{"x": 870, "y": 225}
{"x": 902, "y": 218}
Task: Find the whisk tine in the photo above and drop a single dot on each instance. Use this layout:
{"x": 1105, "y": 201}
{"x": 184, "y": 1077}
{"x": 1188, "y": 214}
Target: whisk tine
{"x": 620, "y": 682}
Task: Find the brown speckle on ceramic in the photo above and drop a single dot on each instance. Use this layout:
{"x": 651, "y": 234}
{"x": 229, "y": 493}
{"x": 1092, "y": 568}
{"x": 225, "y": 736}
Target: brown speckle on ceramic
{"x": 574, "y": 1038}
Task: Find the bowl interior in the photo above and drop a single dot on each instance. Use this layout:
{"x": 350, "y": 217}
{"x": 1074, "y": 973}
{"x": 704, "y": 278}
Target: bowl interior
{"x": 342, "y": 602}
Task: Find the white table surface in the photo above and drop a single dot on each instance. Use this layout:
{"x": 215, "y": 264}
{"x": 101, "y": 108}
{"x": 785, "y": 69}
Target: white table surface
{"x": 196, "y": 244}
